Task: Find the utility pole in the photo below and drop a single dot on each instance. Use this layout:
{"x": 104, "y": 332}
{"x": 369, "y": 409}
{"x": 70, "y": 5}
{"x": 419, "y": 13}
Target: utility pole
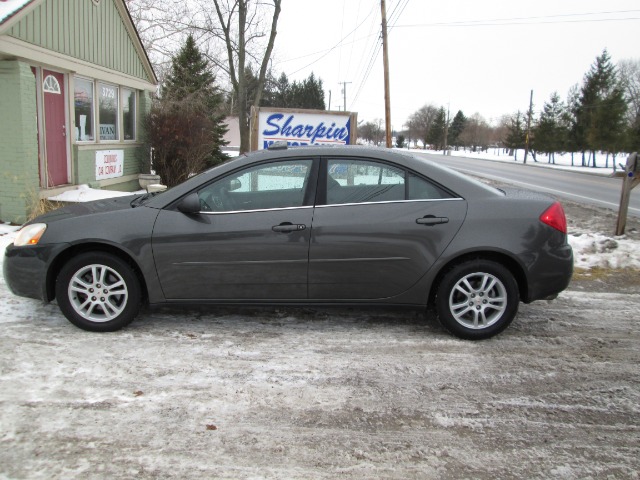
{"x": 329, "y": 100}
{"x": 527, "y": 138}
{"x": 344, "y": 91}
{"x": 385, "y": 61}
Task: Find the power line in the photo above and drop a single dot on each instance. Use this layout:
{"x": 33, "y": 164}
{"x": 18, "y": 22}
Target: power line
{"x": 399, "y": 7}
{"x": 392, "y": 19}
{"x": 527, "y": 20}
{"x": 327, "y": 52}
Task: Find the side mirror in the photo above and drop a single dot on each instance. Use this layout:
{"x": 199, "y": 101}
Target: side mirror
{"x": 234, "y": 184}
{"x": 190, "y": 204}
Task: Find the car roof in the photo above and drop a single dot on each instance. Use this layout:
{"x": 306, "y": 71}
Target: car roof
{"x": 438, "y": 172}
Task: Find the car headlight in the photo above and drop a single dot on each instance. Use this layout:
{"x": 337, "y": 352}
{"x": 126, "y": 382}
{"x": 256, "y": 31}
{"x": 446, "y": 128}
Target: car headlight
{"x": 30, "y": 235}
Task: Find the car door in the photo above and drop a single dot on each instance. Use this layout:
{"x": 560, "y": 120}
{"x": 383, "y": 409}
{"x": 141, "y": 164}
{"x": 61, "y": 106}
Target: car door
{"x": 377, "y": 229}
{"x": 250, "y": 241}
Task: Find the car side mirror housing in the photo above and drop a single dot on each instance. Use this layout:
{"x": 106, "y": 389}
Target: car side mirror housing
{"x": 190, "y": 204}
{"x": 234, "y": 184}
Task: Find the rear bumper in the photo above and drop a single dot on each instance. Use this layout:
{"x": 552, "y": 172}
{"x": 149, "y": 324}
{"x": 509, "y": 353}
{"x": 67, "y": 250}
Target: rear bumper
{"x": 25, "y": 269}
{"x": 551, "y": 274}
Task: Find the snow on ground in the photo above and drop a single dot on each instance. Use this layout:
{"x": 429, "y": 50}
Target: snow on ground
{"x": 83, "y": 193}
{"x": 562, "y": 160}
{"x": 303, "y": 393}
{"x": 311, "y": 393}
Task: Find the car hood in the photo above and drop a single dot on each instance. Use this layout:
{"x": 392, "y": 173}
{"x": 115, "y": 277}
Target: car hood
{"x": 87, "y": 208}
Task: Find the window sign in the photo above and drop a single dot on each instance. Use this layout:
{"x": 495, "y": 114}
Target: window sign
{"x": 109, "y": 164}
{"x": 83, "y": 103}
{"x": 108, "y": 111}
{"x": 129, "y": 114}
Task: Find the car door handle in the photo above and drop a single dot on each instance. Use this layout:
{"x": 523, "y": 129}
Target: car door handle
{"x": 288, "y": 227}
{"x": 431, "y": 220}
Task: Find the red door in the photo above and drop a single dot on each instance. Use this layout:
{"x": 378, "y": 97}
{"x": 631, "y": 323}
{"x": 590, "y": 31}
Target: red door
{"x": 55, "y": 128}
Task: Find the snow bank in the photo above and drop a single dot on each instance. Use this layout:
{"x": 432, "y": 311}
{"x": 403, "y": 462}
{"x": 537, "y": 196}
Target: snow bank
{"x": 86, "y": 194}
{"x": 595, "y": 250}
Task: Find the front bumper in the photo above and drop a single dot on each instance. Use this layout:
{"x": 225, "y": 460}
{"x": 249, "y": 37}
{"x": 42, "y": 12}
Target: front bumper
{"x": 25, "y": 269}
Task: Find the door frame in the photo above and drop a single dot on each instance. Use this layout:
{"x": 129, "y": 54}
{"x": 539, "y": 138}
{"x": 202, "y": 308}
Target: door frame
{"x": 42, "y": 137}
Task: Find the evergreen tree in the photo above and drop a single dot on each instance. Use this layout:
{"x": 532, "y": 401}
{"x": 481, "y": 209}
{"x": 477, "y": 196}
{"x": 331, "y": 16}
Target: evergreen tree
{"x": 516, "y": 134}
{"x": 190, "y": 80}
{"x": 306, "y": 94}
{"x": 456, "y": 129}
{"x": 276, "y": 92}
{"x": 280, "y": 93}
{"x": 436, "y": 132}
{"x": 551, "y": 131}
{"x": 570, "y": 118}
{"x": 602, "y": 107}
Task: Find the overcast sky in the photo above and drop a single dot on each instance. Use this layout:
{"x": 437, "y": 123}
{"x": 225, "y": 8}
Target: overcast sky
{"x": 474, "y": 55}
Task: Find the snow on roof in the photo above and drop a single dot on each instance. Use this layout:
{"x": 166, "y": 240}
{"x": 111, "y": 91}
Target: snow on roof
{"x": 8, "y": 8}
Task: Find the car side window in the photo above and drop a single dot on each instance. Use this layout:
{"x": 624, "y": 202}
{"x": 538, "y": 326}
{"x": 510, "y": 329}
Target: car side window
{"x": 363, "y": 181}
{"x": 271, "y": 185}
{"x": 421, "y": 189}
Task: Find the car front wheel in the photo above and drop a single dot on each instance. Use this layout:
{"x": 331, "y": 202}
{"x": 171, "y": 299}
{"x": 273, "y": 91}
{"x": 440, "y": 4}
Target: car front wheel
{"x": 98, "y": 292}
{"x": 477, "y": 299}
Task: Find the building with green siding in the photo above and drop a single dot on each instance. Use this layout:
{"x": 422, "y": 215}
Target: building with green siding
{"x": 75, "y": 83}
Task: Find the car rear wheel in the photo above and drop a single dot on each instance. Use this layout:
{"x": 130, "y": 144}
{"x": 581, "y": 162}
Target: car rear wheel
{"x": 98, "y": 292}
{"x": 477, "y": 299}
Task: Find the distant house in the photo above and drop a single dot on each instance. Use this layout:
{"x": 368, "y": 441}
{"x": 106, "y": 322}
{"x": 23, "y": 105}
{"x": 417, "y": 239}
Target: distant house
{"x": 75, "y": 82}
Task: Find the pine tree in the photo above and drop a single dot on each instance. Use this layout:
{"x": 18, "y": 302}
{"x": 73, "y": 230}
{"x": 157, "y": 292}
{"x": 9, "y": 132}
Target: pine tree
{"x": 189, "y": 74}
{"x": 190, "y": 87}
{"x": 281, "y": 93}
{"x": 276, "y": 92}
{"x": 436, "y": 132}
{"x": 456, "y": 128}
{"x": 602, "y": 107}
{"x": 307, "y": 94}
{"x": 551, "y": 132}
{"x": 516, "y": 134}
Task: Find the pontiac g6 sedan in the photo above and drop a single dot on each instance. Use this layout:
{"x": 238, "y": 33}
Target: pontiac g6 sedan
{"x": 302, "y": 226}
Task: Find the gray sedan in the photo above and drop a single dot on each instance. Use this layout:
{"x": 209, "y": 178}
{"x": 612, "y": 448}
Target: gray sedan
{"x": 302, "y": 226}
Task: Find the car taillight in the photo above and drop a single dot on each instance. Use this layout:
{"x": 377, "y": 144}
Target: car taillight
{"x": 554, "y": 217}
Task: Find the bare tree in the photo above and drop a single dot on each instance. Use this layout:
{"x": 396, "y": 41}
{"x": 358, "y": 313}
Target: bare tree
{"x": 240, "y": 24}
{"x": 422, "y": 120}
{"x": 163, "y": 27}
{"x": 629, "y": 72}
{"x": 476, "y": 133}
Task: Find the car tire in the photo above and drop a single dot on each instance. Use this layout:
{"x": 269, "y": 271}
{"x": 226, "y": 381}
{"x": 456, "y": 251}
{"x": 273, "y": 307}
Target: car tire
{"x": 98, "y": 292}
{"x": 477, "y": 299}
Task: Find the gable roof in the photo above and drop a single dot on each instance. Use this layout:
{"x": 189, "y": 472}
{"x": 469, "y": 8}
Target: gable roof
{"x": 98, "y": 32}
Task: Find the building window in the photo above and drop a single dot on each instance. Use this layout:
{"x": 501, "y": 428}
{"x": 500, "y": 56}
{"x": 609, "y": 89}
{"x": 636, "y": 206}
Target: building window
{"x": 129, "y": 114}
{"x": 51, "y": 85}
{"x": 108, "y": 111}
{"x": 83, "y": 101}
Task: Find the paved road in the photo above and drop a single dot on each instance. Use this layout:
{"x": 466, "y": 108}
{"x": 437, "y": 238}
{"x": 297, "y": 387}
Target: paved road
{"x": 591, "y": 189}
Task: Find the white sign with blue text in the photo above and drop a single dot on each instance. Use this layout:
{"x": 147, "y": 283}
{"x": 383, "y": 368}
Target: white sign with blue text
{"x": 303, "y": 128}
